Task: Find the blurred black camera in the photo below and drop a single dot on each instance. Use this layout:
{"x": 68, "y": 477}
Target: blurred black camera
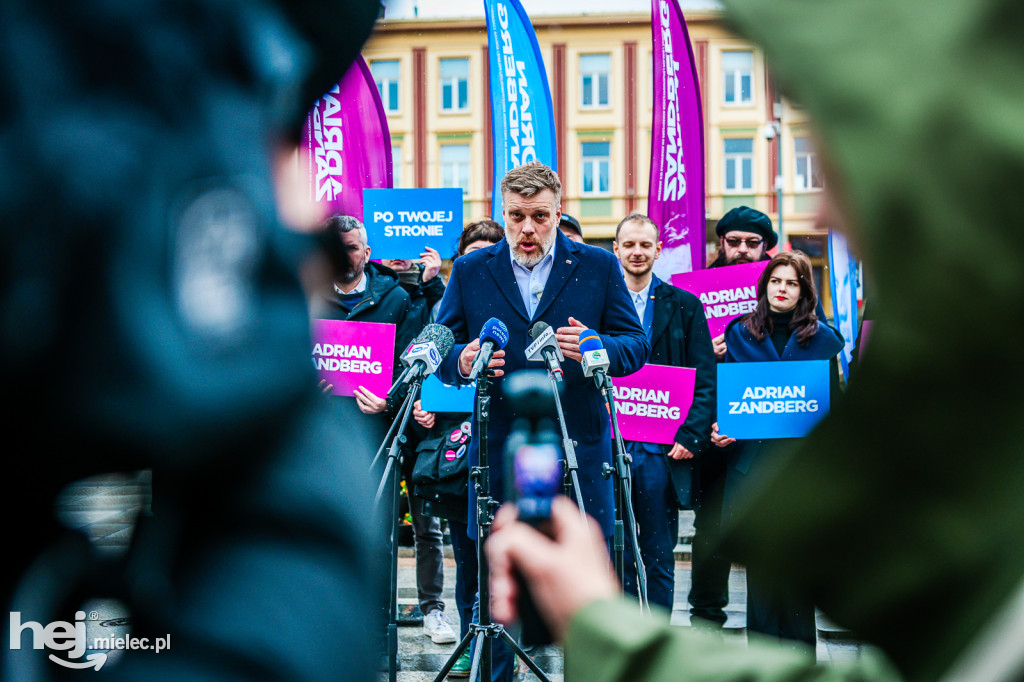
{"x": 534, "y": 473}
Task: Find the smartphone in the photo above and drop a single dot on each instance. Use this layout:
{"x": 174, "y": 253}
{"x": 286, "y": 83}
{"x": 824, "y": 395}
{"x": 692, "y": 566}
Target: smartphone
{"x": 534, "y": 476}
{"x": 537, "y": 478}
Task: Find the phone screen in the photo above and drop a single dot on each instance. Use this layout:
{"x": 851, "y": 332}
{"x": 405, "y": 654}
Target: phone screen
{"x": 537, "y": 471}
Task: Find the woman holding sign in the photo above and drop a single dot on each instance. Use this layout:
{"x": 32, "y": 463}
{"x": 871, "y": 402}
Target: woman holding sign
{"x": 784, "y": 327}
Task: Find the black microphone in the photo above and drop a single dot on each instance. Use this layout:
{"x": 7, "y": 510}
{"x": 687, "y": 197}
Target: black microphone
{"x": 493, "y": 336}
{"x": 545, "y": 347}
{"x": 425, "y": 353}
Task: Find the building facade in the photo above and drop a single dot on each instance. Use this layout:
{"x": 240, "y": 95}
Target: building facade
{"x": 433, "y": 79}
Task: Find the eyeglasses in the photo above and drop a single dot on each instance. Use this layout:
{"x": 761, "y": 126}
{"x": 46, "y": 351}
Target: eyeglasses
{"x": 751, "y": 243}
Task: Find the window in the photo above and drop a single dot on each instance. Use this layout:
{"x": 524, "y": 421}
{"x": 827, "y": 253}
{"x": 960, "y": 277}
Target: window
{"x": 396, "y": 165}
{"x": 596, "y": 171}
{"x": 455, "y": 84}
{"x": 386, "y": 75}
{"x": 739, "y": 165}
{"x": 806, "y": 171}
{"x": 594, "y": 74}
{"x": 455, "y": 160}
{"x": 738, "y": 68}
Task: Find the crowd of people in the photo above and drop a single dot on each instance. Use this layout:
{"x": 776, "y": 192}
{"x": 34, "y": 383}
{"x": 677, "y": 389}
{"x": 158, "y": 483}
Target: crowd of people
{"x": 538, "y": 268}
{"x": 174, "y": 305}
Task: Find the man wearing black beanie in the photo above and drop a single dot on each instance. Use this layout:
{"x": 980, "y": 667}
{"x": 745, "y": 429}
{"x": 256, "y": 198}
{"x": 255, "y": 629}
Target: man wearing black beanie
{"x": 745, "y": 235}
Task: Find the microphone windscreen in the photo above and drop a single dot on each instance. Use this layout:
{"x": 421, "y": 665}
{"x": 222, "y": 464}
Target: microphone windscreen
{"x": 589, "y": 340}
{"x": 440, "y": 335}
{"x": 495, "y": 331}
{"x": 538, "y": 328}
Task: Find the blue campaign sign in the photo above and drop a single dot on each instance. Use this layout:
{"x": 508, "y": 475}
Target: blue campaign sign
{"x": 772, "y": 399}
{"x": 843, "y": 276}
{"x": 437, "y": 396}
{"x": 400, "y": 222}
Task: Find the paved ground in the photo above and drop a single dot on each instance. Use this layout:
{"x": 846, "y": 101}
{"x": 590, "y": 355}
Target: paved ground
{"x": 106, "y": 508}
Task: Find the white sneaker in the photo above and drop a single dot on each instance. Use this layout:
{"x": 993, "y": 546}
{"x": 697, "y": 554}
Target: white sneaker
{"x": 437, "y": 628}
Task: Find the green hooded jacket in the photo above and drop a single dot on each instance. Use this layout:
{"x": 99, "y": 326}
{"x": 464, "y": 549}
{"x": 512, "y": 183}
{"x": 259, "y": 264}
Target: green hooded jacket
{"x": 901, "y": 514}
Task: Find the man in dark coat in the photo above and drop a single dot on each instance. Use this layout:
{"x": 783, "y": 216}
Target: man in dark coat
{"x": 537, "y": 274}
{"x": 662, "y": 476}
{"x": 422, "y": 281}
{"x": 745, "y": 235}
{"x": 364, "y": 291}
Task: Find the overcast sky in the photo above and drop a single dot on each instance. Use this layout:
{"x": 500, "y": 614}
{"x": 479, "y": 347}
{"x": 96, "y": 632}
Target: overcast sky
{"x": 406, "y": 9}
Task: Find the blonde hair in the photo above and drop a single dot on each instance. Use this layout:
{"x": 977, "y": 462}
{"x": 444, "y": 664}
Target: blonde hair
{"x": 530, "y": 179}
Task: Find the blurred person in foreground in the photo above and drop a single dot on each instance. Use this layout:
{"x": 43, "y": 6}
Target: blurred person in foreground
{"x": 921, "y": 458}
{"x": 153, "y": 318}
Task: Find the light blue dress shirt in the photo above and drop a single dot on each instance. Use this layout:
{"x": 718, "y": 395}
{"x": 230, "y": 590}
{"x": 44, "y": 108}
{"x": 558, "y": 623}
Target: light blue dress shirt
{"x": 640, "y": 299}
{"x": 532, "y": 282}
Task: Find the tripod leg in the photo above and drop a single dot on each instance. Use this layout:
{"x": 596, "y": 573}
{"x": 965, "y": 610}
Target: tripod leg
{"x": 474, "y": 668}
{"x": 641, "y": 569}
{"x": 454, "y": 657}
{"x": 530, "y": 663}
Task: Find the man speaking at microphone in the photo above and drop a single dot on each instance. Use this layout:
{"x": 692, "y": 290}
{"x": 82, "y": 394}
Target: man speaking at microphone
{"x": 537, "y": 274}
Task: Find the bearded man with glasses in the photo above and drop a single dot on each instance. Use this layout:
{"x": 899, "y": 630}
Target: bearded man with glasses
{"x": 745, "y": 235}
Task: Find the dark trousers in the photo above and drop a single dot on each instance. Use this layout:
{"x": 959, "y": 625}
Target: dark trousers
{"x": 429, "y": 542}
{"x": 779, "y": 615}
{"x": 464, "y": 551}
{"x": 503, "y": 660}
{"x": 657, "y": 516}
{"x": 709, "y": 587}
{"x": 769, "y": 612}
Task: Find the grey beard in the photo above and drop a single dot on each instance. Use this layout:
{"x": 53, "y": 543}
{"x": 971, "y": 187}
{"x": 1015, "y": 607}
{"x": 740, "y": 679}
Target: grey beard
{"x": 530, "y": 261}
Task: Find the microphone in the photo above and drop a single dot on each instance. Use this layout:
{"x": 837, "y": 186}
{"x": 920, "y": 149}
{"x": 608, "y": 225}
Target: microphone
{"x": 545, "y": 348}
{"x": 595, "y": 358}
{"x": 493, "y": 336}
{"x": 425, "y": 353}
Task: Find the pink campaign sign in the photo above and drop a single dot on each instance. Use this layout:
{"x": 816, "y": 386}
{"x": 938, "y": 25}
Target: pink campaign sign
{"x": 653, "y": 402}
{"x": 352, "y": 354}
{"x": 725, "y": 292}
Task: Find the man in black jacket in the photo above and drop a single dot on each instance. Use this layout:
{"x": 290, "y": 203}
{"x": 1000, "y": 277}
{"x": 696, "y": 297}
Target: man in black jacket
{"x": 745, "y": 235}
{"x": 662, "y": 476}
{"x": 422, "y": 281}
{"x": 364, "y": 291}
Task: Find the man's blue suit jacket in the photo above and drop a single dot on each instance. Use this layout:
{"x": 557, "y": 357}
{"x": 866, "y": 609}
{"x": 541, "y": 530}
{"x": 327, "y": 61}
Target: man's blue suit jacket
{"x": 586, "y": 283}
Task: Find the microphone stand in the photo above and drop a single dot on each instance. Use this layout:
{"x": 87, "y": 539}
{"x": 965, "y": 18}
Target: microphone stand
{"x": 390, "y": 478}
{"x": 568, "y": 446}
{"x": 485, "y": 631}
{"x": 622, "y": 482}
{"x": 402, "y": 379}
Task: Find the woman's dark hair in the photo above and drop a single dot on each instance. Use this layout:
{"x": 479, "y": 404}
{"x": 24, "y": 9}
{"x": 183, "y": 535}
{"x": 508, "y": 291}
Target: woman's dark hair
{"x": 486, "y": 230}
{"x": 805, "y": 321}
